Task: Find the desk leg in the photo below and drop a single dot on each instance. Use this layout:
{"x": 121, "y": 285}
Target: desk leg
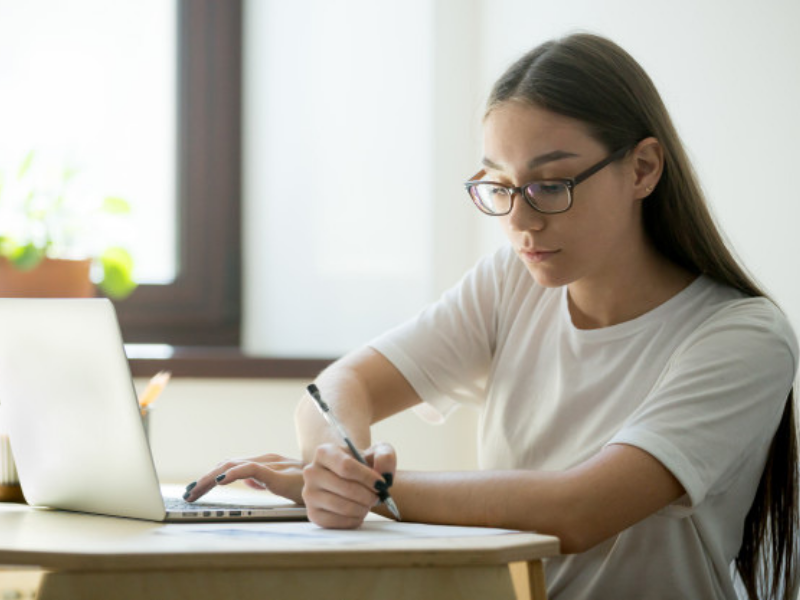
{"x": 528, "y": 578}
{"x": 420, "y": 583}
{"x": 536, "y": 580}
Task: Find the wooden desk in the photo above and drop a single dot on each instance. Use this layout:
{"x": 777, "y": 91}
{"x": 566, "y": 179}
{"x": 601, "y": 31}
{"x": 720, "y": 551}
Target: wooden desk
{"x": 90, "y": 557}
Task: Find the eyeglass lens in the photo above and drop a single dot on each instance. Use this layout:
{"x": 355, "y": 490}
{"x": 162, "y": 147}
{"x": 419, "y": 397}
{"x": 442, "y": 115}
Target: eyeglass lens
{"x": 546, "y": 196}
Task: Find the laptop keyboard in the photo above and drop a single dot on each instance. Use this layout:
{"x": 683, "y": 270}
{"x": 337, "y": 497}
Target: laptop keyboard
{"x": 180, "y": 505}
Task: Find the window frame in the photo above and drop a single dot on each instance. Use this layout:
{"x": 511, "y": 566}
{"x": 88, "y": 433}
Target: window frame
{"x": 202, "y": 307}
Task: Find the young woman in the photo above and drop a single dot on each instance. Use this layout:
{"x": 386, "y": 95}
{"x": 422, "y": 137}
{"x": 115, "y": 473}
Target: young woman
{"x": 635, "y": 385}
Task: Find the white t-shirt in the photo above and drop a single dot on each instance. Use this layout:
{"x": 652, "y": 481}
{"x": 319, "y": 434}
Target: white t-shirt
{"x": 699, "y": 382}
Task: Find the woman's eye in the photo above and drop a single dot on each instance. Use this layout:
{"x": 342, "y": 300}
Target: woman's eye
{"x": 550, "y": 188}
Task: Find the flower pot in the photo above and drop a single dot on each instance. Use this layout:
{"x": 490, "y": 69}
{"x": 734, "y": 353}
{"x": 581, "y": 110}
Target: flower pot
{"x": 52, "y": 278}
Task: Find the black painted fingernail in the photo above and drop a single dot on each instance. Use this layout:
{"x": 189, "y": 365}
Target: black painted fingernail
{"x": 186, "y": 495}
{"x": 220, "y": 477}
{"x": 389, "y": 479}
{"x": 381, "y": 486}
{"x": 190, "y": 487}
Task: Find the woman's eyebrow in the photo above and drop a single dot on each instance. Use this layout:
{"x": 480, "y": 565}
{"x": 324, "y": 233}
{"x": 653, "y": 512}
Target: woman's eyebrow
{"x": 549, "y": 157}
{"x": 534, "y": 162}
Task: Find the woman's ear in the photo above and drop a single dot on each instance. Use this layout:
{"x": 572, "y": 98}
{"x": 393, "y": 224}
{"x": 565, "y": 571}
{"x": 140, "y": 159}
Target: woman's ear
{"x": 648, "y": 164}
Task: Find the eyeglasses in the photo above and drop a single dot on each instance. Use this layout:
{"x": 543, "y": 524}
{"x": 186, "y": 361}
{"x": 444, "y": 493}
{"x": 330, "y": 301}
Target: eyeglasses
{"x": 549, "y": 196}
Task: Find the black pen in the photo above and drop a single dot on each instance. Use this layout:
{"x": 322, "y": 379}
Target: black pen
{"x": 333, "y": 422}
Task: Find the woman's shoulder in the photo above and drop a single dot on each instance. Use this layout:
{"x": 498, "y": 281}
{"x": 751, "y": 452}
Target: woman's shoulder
{"x": 732, "y": 305}
{"x": 755, "y": 321}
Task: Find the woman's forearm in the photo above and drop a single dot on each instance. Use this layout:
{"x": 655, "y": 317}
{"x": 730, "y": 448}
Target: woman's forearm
{"x": 582, "y": 506}
{"x": 506, "y": 499}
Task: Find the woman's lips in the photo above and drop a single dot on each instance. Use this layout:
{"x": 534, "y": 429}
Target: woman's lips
{"x": 538, "y": 256}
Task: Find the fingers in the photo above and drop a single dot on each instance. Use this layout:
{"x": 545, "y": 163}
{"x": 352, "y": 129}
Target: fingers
{"x": 222, "y": 474}
{"x": 335, "y": 502}
{"x": 278, "y": 474}
{"x": 383, "y": 459}
{"x": 339, "y": 491}
{"x": 255, "y": 484}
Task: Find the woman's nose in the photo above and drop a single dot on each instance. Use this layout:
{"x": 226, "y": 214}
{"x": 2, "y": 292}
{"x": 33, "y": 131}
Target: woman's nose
{"x": 524, "y": 217}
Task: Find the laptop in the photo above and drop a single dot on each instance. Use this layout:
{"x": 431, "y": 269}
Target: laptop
{"x": 71, "y": 412}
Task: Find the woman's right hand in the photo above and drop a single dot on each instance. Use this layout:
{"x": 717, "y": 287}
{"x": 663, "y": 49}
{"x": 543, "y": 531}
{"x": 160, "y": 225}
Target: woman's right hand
{"x": 339, "y": 491}
{"x": 278, "y": 474}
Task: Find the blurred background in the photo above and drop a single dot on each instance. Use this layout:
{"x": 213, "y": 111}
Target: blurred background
{"x": 294, "y": 169}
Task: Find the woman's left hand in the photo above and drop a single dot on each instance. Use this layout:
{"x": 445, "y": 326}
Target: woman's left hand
{"x": 339, "y": 491}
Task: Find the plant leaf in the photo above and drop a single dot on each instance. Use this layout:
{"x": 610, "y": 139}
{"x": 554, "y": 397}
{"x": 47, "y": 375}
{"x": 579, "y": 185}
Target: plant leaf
{"x": 117, "y": 282}
{"x": 116, "y": 206}
{"x": 27, "y": 257}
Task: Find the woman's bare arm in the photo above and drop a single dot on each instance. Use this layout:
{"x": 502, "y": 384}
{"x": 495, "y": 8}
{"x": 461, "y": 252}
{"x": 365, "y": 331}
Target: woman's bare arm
{"x": 582, "y": 506}
{"x": 361, "y": 389}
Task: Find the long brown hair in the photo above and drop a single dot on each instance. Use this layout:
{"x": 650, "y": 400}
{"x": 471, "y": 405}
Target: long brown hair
{"x": 593, "y": 80}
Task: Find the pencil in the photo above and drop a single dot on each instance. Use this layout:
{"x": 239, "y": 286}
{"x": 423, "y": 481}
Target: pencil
{"x": 153, "y": 389}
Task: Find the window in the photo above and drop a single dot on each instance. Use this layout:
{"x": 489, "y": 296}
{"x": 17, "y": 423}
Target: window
{"x": 89, "y": 97}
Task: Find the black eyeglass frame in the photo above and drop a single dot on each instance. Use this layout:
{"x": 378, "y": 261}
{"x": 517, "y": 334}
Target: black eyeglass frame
{"x": 569, "y": 182}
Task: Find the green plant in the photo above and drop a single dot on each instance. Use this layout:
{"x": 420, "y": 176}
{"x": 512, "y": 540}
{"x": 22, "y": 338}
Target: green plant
{"x": 43, "y": 213}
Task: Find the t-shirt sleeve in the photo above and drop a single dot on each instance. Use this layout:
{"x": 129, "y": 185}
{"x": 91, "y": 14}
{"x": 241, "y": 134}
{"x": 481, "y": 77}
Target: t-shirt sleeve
{"x": 721, "y": 395}
{"x": 445, "y": 352}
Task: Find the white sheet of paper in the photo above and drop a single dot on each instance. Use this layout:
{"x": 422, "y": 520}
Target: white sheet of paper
{"x": 370, "y": 532}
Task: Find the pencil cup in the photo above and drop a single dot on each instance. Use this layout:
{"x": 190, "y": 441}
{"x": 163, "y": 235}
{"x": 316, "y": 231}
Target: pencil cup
{"x": 9, "y": 481}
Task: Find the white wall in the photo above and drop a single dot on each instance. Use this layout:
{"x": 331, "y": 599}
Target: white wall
{"x": 360, "y": 125}
{"x": 337, "y": 171}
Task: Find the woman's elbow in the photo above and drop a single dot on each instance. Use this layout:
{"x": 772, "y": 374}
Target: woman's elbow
{"x": 578, "y": 532}
{"x": 574, "y": 541}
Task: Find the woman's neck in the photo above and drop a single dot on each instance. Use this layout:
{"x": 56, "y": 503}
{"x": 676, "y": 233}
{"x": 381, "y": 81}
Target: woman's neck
{"x": 627, "y": 293}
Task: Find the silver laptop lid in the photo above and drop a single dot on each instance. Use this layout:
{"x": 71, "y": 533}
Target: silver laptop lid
{"x": 68, "y": 403}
